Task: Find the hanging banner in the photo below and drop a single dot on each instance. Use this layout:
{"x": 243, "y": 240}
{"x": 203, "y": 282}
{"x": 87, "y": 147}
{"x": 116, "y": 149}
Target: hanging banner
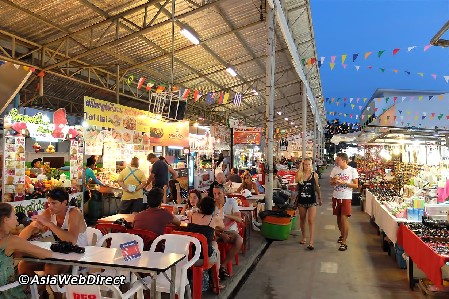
{"x": 124, "y": 120}
{"x": 247, "y": 135}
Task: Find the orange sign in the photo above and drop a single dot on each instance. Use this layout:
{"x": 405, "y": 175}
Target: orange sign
{"x": 247, "y": 136}
{"x": 169, "y": 134}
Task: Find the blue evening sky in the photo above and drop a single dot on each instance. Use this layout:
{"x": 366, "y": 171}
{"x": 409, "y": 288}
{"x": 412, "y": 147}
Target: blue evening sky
{"x": 360, "y": 26}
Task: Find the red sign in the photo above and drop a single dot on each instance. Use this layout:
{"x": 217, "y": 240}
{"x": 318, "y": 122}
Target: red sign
{"x": 247, "y": 136}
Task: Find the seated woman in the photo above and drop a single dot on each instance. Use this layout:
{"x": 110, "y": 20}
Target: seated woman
{"x": 248, "y": 184}
{"x": 203, "y": 222}
{"x": 10, "y": 244}
{"x": 65, "y": 221}
{"x": 192, "y": 202}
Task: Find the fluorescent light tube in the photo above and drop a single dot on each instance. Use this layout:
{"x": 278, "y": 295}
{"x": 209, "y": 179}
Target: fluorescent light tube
{"x": 190, "y": 36}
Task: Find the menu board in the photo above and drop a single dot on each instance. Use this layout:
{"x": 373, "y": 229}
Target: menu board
{"x": 109, "y": 157}
{"x": 14, "y": 169}
{"x": 94, "y": 148}
{"x": 76, "y": 162}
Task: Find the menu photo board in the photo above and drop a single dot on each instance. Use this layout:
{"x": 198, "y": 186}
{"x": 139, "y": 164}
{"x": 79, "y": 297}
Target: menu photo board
{"x": 76, "y": 164}
{"x": 14, "y": 169}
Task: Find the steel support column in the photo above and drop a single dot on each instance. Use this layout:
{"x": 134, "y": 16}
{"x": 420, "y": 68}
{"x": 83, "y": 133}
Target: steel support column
{"x": 304, "y": 120}
{"x": 315, "y": 143}
{"x": 269, "y": 99}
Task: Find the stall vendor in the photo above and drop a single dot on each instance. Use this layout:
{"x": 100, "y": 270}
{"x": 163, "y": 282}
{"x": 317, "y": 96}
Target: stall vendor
{"x": 36, "y": 163}
{"x": 90, "y": 175}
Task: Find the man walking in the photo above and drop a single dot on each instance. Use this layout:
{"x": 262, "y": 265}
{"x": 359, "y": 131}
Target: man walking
{"x": 344, "y": 178}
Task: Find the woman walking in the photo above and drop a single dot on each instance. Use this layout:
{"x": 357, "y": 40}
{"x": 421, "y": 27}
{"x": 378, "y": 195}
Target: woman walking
{"x": 308, "y": 193}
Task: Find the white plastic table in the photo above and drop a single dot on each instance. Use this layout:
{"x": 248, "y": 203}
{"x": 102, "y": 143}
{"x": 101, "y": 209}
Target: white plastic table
{"x": 151, "y": 263}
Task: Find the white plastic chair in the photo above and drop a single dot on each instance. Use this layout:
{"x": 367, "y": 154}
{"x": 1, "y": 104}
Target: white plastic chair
{"x": 93, "y": 291}
{"x": 116, "y": 240}
{"x": 16, "y": 284}
{"x": 91, "y": 232}
{"x": 176, "y": 244}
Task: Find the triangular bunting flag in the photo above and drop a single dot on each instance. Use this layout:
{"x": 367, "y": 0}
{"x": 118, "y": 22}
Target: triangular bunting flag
{"x": 322, "y": 59}
{"x": 357, "y": 67}
{"x": 407, "y": 72}
{"x": 395, "y": 99}
{"x": 434, "y": 76}
{"x": 344, "y": 66}
{"x": 360, "y": 108}
{"x": 382, "y": 70}
{"x": 380, "y": 53}
{"x": 388, "y": 117}
{"x": 400, "y": 111}
{"x": 367, "y": 54}
{"x": 140, "y": 82}
{"x": 430, "y": 97}
{"x": 149, "y": 85}
{"x": 352, "y": 106}
{"x": 344, "y": 105}
{"x": 368, "y": 108}
{"x": 226, "y": 98}
{"x": 375, "y": 109}
{"x": 363, "y": 116}
{"x": 403, "y": 99}
{"x": 354, "y": 57}
{"x": 440, "y": 116}
{"x": 319, "y": 64}
{"x": 410, "y": 48}
{"x": 333, "y": 59}
{"x": 312, "y": 60}
{"x": 343, "y": 58}
{"x": 395, "y": 51}
{"x": 386, "y": 100}
{"x": 364, "y": 100}
{"x": 447, "y": 116}
{"x": 421, "y": 74}
{"x": 378, "y": 100}
{"x": 396, "y": 71}
{"x": 446, "y": 78}
{"x": 420, "y": 98}
{"x": 332, "y": 65}
{"x": 440, "y": 97}
{"x": 394, "y": 117}
{"x": 356, "y": 116}
{"x": 427, "y": 47}
{"x": 197, "y": 95}
{"x": 160, "y": 89}
{"x": 345, "y": 99}
{"x": 370, "y": 67}
{"x": 210, "y": 98}
{"x": 220, "y": 98}
{"x": 432, "y": 114}
{"x": 185, "y": 93}
{"x": 416, "y": 117}
{"x": 303, "y": 61}
{"x": 423, "y": 117}
{"x": 358, "y": 99}
{"x": 337, "y": 103}
{"x": 351, "y": 99}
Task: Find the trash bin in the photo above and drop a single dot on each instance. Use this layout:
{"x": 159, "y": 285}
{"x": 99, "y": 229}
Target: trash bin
{"x": 276, "y": 228}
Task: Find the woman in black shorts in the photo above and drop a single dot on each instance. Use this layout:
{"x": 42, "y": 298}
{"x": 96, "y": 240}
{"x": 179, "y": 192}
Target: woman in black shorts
{"x": 308, "y": 193}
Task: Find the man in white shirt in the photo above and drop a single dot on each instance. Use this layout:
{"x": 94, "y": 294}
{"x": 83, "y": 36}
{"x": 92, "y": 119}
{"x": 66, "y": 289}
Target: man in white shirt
{"x": 226, "y": 229}
{"x": 344, "y": 178}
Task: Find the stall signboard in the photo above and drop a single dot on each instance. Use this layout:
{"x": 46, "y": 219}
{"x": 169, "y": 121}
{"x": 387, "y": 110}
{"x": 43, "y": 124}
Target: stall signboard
{"x": 128, "y": 125}
{"x": 247, "y": 135}
{"x": 222, "y": 136}
{"x": 201, "y": 143}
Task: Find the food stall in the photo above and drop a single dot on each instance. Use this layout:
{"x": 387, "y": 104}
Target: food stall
{"x": 201, "y": 172}
{"x": 57, "y": 145}
{"x": 247, "y": 147}
{"x": 118, "y": 133}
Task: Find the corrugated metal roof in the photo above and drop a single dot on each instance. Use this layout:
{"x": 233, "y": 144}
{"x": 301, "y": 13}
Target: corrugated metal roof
{"x": 232, "y": 33}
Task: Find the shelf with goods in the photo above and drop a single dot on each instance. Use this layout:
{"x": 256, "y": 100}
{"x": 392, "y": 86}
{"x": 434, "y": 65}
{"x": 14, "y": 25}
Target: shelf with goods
{"x": 25, "y": 187}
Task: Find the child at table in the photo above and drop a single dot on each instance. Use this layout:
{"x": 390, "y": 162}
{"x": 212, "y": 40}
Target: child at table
{"x": 10, "y": 244}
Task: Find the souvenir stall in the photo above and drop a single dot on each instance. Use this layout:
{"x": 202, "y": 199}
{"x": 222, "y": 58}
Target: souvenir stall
{"x": 58, "y": 149}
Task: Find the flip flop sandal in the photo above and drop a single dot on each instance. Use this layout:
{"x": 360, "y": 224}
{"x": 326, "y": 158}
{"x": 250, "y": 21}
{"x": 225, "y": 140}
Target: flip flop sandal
{"x": 340, "y": 239}
{"x": 310, "y": 247}
{"x": 343, "y": 247}
{"x": 223, "y": 273}
{"x": 303, "y": 241}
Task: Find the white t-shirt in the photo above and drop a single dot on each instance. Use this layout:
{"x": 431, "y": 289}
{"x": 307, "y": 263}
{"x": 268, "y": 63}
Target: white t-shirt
{"x": 230, "y": 207}
{"x": 346, "y": 175}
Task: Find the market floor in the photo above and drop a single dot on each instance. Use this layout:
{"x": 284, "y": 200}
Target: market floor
{"x": 289, "y": 270}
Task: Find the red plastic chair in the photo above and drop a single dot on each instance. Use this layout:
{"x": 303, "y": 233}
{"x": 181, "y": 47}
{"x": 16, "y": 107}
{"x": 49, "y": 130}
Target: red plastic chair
{"x": 107, "y": 228}
{"x": 147, "y": 236}
{"x": 198, "y": 270}
{"x": 225, "y": 247}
